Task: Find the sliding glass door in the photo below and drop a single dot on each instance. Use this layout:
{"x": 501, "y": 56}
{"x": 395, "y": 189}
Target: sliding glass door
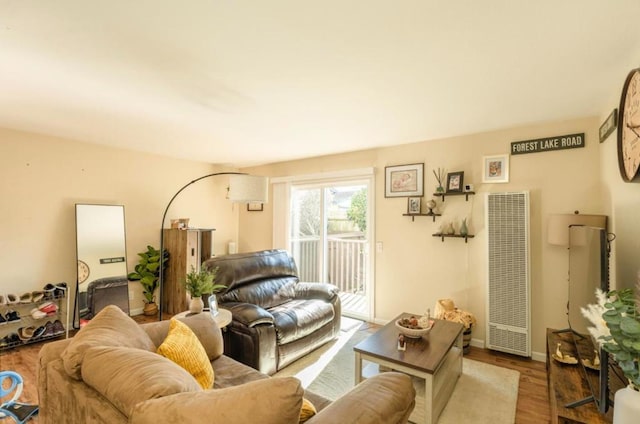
{"x": 329, "y": 227}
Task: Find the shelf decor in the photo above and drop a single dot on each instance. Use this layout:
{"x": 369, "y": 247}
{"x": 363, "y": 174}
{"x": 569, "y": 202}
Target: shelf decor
{"x": 404, "y": 180}
{"x": 454, "y": 181}
{"x": 413, "y": 205}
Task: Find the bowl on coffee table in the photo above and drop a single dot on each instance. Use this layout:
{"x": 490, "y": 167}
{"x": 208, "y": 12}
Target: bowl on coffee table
{"x": 412, "y": 331}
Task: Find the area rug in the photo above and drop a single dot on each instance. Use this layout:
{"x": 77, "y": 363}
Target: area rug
{"x": 484, "y": 393}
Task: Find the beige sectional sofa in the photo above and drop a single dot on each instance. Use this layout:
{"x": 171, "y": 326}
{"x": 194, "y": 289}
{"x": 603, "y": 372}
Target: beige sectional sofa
{"x": 109, "y": 373}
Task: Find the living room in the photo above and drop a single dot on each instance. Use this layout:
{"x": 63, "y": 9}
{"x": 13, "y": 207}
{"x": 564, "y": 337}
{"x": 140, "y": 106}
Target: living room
{"x": 46, "y": 175}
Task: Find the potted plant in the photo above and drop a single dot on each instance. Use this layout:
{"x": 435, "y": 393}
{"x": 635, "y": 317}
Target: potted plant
{"x": 616, "y": 320}
{"x": 198, "y": 283}
{"x": 148, "y": 273}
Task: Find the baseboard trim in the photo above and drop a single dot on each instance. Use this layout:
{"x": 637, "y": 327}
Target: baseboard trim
{"x": 134, "y": 312}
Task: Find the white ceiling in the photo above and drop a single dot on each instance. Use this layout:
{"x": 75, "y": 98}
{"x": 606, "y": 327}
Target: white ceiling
{"x": 250, "y": 82}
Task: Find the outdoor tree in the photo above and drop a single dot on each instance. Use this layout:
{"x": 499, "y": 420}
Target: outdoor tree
{"x": 357, "y": 212}
{"x": 308, "y": 206}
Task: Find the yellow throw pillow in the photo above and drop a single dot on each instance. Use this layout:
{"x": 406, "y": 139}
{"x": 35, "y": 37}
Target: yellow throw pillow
{"x": 307, "y": 411}
{"x": 183, "y": 347}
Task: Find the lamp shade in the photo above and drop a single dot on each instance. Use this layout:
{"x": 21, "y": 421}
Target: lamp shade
{"x": 558, "y": 226}
{"x": 248, "y": 188}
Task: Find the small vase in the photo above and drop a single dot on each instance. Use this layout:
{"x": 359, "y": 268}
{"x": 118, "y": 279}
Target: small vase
{"x": 627, "y": 406}
{"x": 463, "y": 228}
{"x": 439, "y": 189}
{"x": 196, "y": 305}
{"x": 449, "y": 229}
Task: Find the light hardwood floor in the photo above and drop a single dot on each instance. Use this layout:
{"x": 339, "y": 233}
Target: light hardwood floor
{"x": 533, "y": 396}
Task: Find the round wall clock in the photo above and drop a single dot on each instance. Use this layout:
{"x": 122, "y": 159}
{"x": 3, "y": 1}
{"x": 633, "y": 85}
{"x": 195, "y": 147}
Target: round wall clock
{"x": 83, "y": 272}
{"x": 629, "y": 127}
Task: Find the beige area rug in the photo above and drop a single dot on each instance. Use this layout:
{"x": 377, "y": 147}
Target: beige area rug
{"x": 484, "y": 393}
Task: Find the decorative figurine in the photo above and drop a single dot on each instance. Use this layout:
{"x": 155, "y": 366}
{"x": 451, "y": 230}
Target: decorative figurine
{"x": 402, "y": 344}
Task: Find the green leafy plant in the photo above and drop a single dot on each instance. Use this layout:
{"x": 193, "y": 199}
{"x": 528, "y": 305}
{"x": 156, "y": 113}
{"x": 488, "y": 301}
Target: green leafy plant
{"x": 202, "y": 282}
{"x": 357, "y": 212}
{"x": 622, "y": 315}
{"x": 148, "y": 271}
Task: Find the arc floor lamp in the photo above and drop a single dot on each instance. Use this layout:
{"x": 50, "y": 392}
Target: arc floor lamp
{"x": 243, "y": 188}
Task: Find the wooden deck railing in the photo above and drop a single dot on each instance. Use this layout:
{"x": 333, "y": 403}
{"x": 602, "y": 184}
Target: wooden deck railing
{"x": 346, "y": 264}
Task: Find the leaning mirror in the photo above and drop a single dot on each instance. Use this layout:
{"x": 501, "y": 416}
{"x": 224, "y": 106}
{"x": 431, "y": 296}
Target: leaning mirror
{"x": 102, "y": 259}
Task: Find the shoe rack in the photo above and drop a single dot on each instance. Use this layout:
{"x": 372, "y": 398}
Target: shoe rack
{"x": 10, "y": 330}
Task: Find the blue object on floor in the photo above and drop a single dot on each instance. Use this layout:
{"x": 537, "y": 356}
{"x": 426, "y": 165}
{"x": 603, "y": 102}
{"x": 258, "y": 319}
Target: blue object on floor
{"x": 20, "y": 412}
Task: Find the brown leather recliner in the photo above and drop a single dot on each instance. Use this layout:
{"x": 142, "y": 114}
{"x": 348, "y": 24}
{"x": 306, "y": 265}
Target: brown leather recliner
{"x": 276, "y": 318}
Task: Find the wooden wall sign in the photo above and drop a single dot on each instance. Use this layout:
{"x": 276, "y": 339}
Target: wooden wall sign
{"x": 560, "y": 142}
{"x": 609, "y": 125}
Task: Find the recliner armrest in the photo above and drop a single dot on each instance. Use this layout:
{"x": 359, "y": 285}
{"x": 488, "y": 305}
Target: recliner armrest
{"x": 249, "y": 314}
{"x": 322, "y": 291}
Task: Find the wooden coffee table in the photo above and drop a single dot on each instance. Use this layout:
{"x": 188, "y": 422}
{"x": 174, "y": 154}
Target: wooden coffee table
{"x": 435, "y": 358}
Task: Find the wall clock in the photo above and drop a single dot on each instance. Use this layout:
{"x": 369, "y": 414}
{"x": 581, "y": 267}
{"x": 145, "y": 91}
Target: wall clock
{"x": 629, "y": 127}
{"x": 83, "y": 272}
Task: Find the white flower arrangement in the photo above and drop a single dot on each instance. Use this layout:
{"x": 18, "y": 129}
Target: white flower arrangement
{"x": 594, "y": 314}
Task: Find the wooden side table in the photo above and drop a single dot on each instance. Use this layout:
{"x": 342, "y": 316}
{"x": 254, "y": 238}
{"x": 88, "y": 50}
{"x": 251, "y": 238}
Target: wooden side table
{"x": 223, "y": 318}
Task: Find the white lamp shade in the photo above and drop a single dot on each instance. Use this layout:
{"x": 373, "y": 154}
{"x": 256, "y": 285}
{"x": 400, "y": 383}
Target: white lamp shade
{"x": 248, "y": 188}
{"x": 558, "y": 226}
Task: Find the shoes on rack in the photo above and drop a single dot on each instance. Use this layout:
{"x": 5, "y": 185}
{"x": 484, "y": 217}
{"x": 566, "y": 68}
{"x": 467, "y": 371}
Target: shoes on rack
{"x": 48, "y": 308}
{"x": 48, "y": 330}
{"x": 26, "y": 298}
{"x": 26, "y": 333}
{"x": 49, "y": 290}
{"x": 60, "y": 290}
{"x": 12, "y": 316}
{"x": 39, "y": 331}
{"x": 9, "y": 340}
{"x": 3, "y": 320}
{"x": 12, "y": 299}
{"x": 3, "y": 299}
{"x": 38, "y": 314}
{"x": 37, "y": 296}
{"x": 58, "y": 328}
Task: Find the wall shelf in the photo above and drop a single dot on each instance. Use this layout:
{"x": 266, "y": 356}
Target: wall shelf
{"x": 413, "y": 215}
{"x": 442, "y": 236}
{"x": 466, "y": 194}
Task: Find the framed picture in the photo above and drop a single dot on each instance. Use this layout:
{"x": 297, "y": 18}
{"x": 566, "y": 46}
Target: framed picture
{"x": 413, "y": 205}
{"x": 495, "y": 169}
{"x": 454, "y": 181}
{"x": 255, "y": 206}
{"x": 404, "y": 180}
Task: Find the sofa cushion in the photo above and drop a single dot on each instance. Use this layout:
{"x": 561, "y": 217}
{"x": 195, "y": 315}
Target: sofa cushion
{"x": 127, "y": 376}
{"x": 268, "y": 401}
{"x": 110, "y": 327}
{"x": 183, "y": 347}
{"x": 299, "y": 318}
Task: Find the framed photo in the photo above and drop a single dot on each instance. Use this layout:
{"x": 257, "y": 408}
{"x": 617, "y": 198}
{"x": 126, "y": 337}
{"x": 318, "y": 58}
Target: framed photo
{"x": 495, "y": 169}
{"x": 413, "y": 205}
{"x": 404, "y": 180}
{"x": 454, "y": 181}
{"x": 255, "y": 206}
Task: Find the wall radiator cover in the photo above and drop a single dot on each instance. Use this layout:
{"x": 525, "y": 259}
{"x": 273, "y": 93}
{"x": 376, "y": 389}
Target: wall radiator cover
{"x": 508, "y": 280}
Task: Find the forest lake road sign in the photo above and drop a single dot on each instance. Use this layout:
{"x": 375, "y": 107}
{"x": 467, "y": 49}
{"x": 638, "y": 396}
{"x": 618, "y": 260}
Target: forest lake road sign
{"x": 561, "y": 142}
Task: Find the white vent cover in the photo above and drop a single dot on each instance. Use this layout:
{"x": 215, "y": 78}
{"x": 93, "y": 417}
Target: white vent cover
{"x": 508, "y": 299}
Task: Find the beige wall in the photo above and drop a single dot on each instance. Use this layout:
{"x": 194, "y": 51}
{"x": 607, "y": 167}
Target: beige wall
{"x": 415, "y": 269}
{"x": 43, "y": 178}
